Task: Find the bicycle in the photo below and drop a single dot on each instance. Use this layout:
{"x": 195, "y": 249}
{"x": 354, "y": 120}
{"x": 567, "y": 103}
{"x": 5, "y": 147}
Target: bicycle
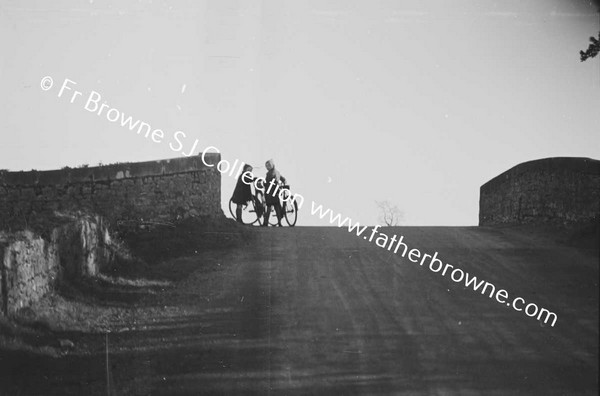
{"x": 253, "y": 210}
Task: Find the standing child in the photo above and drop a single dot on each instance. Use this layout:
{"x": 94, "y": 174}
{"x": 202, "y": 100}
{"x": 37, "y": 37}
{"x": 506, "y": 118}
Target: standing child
{"x": 273, "y": 180}
{"x": 242, "y": 194}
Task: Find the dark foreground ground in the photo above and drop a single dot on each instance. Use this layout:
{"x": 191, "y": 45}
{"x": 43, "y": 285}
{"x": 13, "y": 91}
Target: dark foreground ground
{"x": 300, "y": 311}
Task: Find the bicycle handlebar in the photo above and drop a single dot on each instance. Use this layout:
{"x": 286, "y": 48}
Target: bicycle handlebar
{"x": 285, "y": 186}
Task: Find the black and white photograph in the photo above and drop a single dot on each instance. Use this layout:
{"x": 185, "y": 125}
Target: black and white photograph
{"x": 299, "y": 197}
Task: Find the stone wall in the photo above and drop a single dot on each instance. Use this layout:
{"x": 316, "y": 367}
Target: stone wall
{"x": 78, "y": 244}
{"x": 84, "y": 248}
{"x": 28, "y": 269}
{"x": 31, "y": 266}
{"x": 165, "y": 190}
{"x": 552, "y": 190}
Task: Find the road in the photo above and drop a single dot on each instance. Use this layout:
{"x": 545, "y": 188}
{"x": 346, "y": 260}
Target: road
{"x": 311, "y": 310}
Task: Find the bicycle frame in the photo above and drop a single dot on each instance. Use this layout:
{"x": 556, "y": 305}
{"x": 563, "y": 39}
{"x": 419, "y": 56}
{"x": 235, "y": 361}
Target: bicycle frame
{"x": 258, "y": 206}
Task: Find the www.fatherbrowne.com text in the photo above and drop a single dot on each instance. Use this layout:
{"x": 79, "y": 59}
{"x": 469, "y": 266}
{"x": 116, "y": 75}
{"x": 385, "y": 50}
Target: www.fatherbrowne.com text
{"x": 398, "y": 245}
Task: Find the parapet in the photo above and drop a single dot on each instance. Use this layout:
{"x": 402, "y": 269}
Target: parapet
{"x": 561, "y": 190}
{"x": 163, "y": 190}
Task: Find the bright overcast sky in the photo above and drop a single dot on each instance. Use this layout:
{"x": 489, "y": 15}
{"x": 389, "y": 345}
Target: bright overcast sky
{"x": 417, "y": 102}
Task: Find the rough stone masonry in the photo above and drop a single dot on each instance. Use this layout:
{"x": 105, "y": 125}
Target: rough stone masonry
{"x": 165, "y": 190}
{"x": 30, "y": 266}
{"x": 552, "y": 190}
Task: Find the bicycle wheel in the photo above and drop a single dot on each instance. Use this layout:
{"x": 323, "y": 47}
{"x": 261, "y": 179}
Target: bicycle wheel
{"x": 249, "y": 212}
{"x": 232, "y": 207}
{"x": 291, "y": 212}
{"x": 259, "y": 207}
{"x": 290, "y": 208}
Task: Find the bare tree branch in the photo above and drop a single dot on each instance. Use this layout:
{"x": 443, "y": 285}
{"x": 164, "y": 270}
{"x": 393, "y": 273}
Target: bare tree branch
{"x": 389, "y": 214}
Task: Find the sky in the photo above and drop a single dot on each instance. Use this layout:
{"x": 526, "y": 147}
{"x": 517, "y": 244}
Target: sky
{"x": 414, "y": 102}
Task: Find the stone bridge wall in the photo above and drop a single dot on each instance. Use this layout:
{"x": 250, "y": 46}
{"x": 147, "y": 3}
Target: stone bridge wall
{"x": 31, "y": 266}
{"x": 74, "y": 208}
{"x": 552, "y": 190}
{"x": 165, "y": 190}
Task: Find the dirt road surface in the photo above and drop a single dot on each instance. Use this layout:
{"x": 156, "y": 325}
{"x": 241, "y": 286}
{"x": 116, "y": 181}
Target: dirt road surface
{"x": 319, "y": 311}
